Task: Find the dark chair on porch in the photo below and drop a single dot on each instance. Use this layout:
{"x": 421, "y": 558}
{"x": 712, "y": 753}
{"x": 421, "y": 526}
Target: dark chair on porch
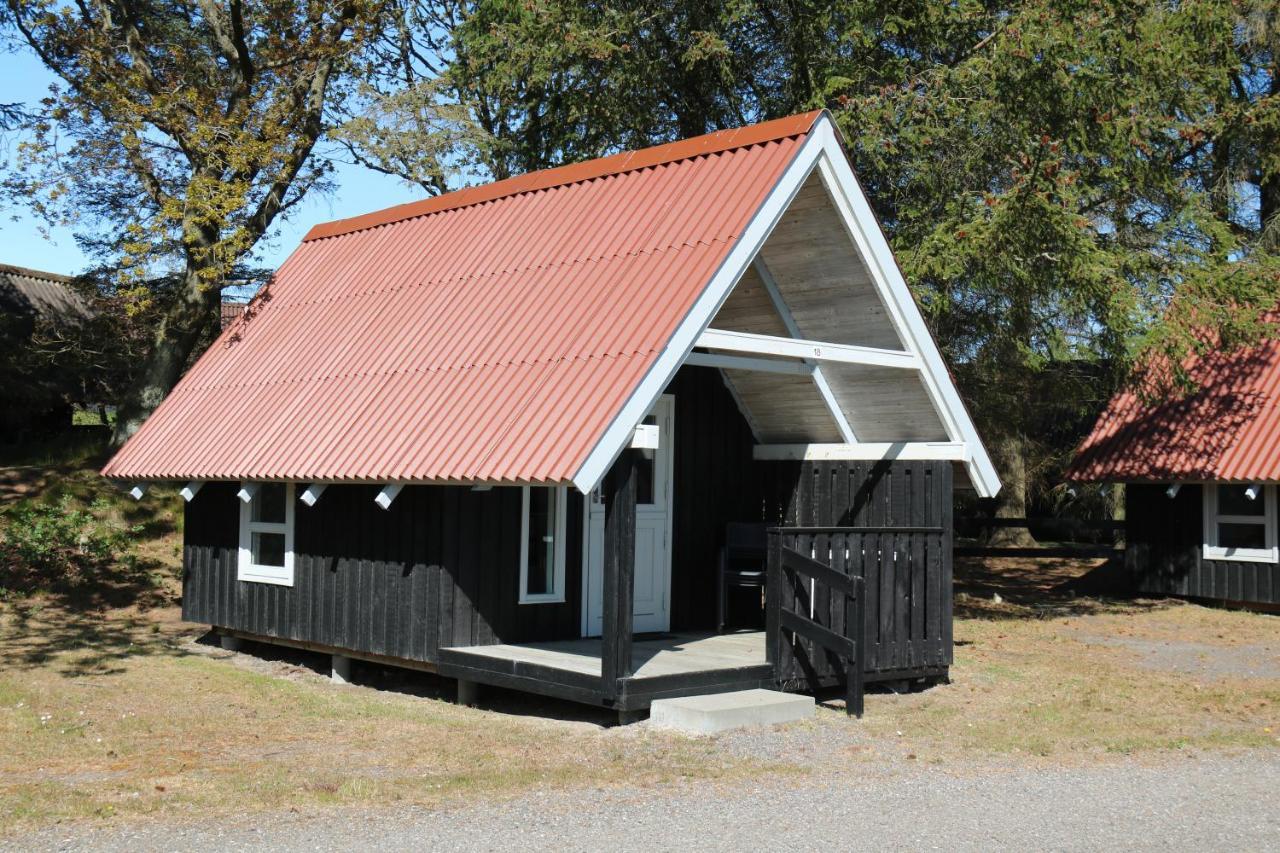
{"x": 743, "y": 563}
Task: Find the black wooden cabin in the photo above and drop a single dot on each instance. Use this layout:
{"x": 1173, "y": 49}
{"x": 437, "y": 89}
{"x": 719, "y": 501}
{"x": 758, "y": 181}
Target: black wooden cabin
{"x": 433, "y": 579}
{"x": 1170, "y": 546}
{"x": 501, "y": 434}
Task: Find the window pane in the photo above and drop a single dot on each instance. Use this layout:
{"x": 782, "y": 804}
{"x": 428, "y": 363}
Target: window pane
{"x": 268, "y": 549}
{"x": 542, "y": 542}
{"x": 268, "y": 503}
{"x": 1242, "y": 536}
{"x": 1233, "y": 501}
{"x": 645, "y": 470}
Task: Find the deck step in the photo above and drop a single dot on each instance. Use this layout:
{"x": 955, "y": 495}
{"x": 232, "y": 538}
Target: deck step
{"x": 718, "y": 712}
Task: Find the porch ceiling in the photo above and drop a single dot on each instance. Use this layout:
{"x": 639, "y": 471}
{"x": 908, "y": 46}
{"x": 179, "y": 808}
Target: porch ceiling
{"x": 824, "y": 292}
{"x": 782, "y": 409}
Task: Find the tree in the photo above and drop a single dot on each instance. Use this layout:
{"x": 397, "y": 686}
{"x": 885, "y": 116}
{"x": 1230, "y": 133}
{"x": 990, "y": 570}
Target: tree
{"x": 176, "y": 137}
{"x": 487, "y": 90}
{"x": 1084, "y": 182}
{"x": 1060, "y": 183}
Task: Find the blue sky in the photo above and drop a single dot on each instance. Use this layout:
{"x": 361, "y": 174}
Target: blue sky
{"x": 24, "y": 79}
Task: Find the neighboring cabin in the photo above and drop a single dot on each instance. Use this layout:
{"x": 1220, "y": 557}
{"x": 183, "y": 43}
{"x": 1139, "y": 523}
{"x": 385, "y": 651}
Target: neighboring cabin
{"x": 500, "y": 434}
{"x": 35, "y": 401}
{"x": 1200, "y": 475}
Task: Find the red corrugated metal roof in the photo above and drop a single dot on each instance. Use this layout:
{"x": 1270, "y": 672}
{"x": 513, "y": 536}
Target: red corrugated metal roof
{"x": 1228, "y": 429}
{"x": 488, "y": 335}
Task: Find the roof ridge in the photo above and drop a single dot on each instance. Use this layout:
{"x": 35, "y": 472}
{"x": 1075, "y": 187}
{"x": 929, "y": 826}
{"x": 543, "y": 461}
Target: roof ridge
{"x": 28, "y": 272}
{"x": 601, "y": 167}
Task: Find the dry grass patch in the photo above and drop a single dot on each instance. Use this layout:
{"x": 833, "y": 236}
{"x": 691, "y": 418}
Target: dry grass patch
{"x": 120, "y": 714}
{"x": 1077, "y": 680}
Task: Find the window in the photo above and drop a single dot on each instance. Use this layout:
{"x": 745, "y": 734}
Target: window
{"x": 266, "y": 534}
{"x": 542, "y": 538}
{"x": 1237, "y": 527}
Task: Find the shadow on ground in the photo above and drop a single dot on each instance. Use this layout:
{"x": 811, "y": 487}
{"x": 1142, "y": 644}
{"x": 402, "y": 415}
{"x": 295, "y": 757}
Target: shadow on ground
{"x": 1049, "y": 587}
{"x": 76, "y": 639}
{"x": 273, "y": 659}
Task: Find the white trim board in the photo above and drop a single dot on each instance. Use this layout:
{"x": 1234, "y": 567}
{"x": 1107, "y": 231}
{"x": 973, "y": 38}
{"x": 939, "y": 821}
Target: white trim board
{"x": 742, "y": 362}
{"x": 704, "y": 308}
{"x": 906, "y": 451}
{"x": 822, "y": 151}
{"x": 819, "y": 351}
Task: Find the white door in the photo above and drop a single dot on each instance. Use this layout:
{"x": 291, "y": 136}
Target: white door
{"x": 652, "y": 605}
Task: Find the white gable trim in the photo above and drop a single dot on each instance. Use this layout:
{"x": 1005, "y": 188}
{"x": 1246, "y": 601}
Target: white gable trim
{"x": 695, "y": 322}
{"x": 860, "y": 220}
{"x": 821, "y": 150}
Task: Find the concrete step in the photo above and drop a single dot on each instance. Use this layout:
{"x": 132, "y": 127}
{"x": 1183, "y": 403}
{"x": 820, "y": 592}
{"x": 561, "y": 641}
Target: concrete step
{"x": 717, "y": 712}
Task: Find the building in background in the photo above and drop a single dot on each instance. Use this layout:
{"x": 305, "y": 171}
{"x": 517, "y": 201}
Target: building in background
{"x": 1200, "y": 474}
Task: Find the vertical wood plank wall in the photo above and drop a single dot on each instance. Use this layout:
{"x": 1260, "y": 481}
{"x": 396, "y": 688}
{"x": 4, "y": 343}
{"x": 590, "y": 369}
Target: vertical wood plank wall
{"x": 441, "y": 567}
{"x": 1164, "y": 550}
{"x": 908, "y": 573}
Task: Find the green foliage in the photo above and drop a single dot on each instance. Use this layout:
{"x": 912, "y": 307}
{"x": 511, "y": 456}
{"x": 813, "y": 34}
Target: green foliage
{"x": 57, "y": 546}
{"x": 175, "y": 137}
{"x": 1072, "y": 187}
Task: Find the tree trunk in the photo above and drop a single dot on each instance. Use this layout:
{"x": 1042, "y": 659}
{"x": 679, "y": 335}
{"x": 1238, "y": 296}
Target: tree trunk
{"x": 1008, "y": 455}
{"x": 176, "y": 336}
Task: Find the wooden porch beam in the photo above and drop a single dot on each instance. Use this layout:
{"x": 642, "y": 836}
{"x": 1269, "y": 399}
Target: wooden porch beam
{"x": 742, "y": 362}
{"x": 793, "y": 329}
{"x": 907, "y": 451}
{"x": 618, "y": 589}
{"x": 819, "y": 351}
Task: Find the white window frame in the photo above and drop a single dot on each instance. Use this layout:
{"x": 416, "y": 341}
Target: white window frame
{"x": 246, "y": 569}
{"x": 1214, "y": 551}
{"x": 557, "y": 594}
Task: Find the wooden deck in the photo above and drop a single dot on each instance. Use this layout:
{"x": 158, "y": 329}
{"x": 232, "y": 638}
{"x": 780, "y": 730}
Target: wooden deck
{"x": 668, "y": 665}
{"x": 669, "y": 654}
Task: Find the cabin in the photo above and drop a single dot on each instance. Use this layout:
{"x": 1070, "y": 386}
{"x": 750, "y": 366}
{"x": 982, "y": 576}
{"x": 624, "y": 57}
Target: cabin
{"x": 540, "y": 434}
{"x": 1200, "y": 473}
{"x": 32, "y": 300}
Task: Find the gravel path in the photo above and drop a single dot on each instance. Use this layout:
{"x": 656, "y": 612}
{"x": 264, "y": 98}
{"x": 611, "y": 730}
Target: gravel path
{"x": 1212, "y": 802}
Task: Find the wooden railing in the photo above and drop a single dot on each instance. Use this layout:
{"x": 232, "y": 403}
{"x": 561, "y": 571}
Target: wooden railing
{"x": 902, "y": 623}
{"x": 789, "y": 619}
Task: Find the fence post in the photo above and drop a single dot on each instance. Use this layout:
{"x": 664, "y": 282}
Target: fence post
{"x": 855, "y": 672}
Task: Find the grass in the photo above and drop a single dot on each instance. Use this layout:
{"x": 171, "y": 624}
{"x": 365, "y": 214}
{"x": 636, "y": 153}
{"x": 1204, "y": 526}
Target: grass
{"x": 152, "y": 561}
{"x": 121, "y": 715}
{"x": 110, "y": 709}
{"x": 1090, "y": 678}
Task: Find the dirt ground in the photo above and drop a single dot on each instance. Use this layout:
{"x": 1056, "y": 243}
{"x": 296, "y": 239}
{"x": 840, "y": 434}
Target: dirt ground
{"x": 115, "y": 713}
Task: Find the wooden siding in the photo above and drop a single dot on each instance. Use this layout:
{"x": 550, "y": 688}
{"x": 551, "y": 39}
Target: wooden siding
{"x": 440, "y": 568}
{"x": 908, "y": 571}
{"x": 714, "y": 483}
{"x": 1164, "y": 551}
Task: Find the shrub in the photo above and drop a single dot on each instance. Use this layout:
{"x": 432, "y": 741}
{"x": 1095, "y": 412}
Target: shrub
{"x": 56, "y": 546}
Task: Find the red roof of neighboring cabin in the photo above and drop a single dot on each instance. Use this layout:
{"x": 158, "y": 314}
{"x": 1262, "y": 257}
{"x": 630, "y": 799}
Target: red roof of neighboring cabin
{"x": 1228, "y": 429}
{"x": 491, "y": 334}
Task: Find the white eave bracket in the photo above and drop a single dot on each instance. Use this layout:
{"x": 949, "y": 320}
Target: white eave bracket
{"x": 312, "y": 493}
{"x": 646, "y": 437}
{"x": 387, "y": 495}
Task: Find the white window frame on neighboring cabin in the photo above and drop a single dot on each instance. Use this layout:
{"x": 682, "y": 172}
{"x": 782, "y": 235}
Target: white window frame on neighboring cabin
{"x": 1213, "y": 551}
{"x": 246, "y": 569}
{"x": 556, "y": 595}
